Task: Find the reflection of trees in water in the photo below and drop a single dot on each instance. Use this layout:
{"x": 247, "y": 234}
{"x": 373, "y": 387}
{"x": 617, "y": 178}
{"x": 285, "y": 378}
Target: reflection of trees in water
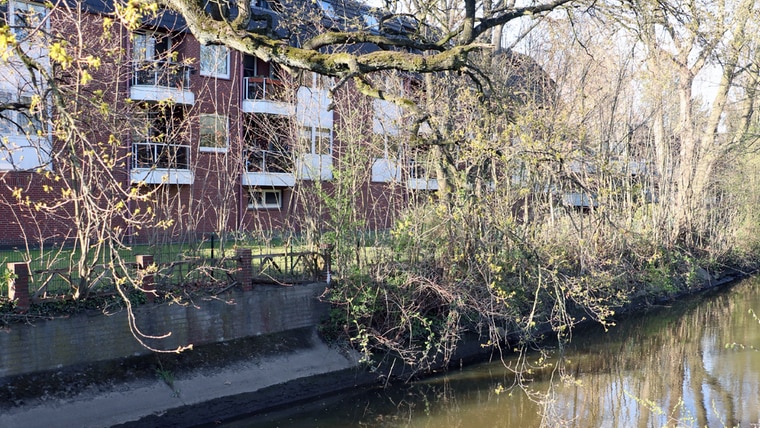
{"x": 670, "y": 367}
{"x": 469, "y": 399}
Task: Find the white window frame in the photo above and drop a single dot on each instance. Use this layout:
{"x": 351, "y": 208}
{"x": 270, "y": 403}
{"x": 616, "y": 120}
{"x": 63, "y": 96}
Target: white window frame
{"x": 16, "y": 142}
{"x": 261, "y": 202}
{"x": 226, "y": 132}
{"x": 22, "y": 32}
{"x": 309, "y": 133}
{"x": 32, "y": 122}
{"x": 153, "y": 47}
{"x": 215, "y": 52}
{"x": 143, "y": 47}
{"x": 315, "y": 80}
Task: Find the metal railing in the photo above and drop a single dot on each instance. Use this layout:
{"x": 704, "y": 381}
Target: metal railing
{"x": 418, "y": 169}
{"x": 263, "y": 88}
{"x": 161, "y": 73}
{"x": 160, "y": 155}
{"x": 268, "y": 161}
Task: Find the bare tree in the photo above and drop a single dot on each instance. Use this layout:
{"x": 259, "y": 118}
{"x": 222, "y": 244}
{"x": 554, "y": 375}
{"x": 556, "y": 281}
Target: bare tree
{"x": 695, "y": 52}
{"x": 409, "y": 41}
{"x": 78, "y": 203}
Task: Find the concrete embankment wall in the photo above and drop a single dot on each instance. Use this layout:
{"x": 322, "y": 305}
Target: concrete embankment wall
{"x": 85, "y": 338}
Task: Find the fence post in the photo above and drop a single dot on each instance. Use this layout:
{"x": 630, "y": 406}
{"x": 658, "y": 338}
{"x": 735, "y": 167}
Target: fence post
{"x": 327, "y": 257}
{"x": 18, "y": 285}
{"x": 148, "y": 284}
{"x": 244, "y": 274}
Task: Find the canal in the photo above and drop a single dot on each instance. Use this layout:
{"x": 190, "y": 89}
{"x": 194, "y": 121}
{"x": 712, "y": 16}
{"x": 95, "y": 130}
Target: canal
{"x": 692, "y": 363}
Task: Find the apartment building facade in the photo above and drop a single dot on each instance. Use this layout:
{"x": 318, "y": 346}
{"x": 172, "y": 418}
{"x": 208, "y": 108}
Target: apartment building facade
{"x": 215, "y": 140}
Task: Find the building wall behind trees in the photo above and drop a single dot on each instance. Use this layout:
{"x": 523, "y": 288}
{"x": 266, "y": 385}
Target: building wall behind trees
{"x": 195, "y": 189}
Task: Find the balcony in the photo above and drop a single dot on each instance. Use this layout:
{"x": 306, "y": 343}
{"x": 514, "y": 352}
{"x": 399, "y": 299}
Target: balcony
{"x": 158, "y": 163}
{"x": 579, "y": 200}
{"x": 265, "y": 95}
{"x": 265, "y": 168}
{"x": 161, "y": 81}
{"x": 419, "y": 178}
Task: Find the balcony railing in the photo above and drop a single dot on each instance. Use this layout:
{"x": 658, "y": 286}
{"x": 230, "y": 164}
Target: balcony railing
{"x": 264, "y": 88}
{"x": 267, "y": 161}
{"x": 418, "y": 170}
{"x": 419, "y": 176}
{"x": 161, "y": 73}
{"x": 159, "y": 155}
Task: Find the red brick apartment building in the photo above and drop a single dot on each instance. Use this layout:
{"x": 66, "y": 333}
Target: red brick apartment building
{"x": 215, "y": 140}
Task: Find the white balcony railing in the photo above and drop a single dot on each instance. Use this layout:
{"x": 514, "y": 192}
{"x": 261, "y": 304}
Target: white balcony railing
{"x": 268, "y": 161}
{"x": 420, "y": 178}
{"x": 161, "y": 81}
{"x": 158, "y": 163}
{"x": 267, "y": 168}
{"x": 161, "y": 73}
{"x": 264, "y": 88}
{"x": 160, "y": 155}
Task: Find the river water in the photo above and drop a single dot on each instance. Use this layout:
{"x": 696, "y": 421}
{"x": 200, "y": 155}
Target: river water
{"x": 689, "y": 364}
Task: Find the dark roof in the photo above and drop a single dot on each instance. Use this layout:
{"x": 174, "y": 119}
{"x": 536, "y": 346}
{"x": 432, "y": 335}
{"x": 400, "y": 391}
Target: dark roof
{"x": 345, "y": 14}
{"x": 166, "y": 20}
{"x": 94, "y": 6}
{"x": 262, "y": 20}
{"x": 523, "y": 77}
{"x": 335, "y": 14}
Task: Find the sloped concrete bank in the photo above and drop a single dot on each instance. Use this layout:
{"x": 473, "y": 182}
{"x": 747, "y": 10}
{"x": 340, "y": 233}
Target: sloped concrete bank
{"x": 186, "y": 392}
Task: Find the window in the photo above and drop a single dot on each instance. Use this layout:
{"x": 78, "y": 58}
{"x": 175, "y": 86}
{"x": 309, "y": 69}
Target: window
{"x": 317, "y": 140}
{"x": 215, "y": 61}
{"x": 151, "y": 47}
{"x": 264, "y": 199}
{"x": 263, "y": 68}
{"x": 158, "y": 125}
{"x": 214, "y": 132}
{"x": 314, "y": 80}
{"x": 23, "y": 137}
{"x": 25, "y": 17}
{"x": 19, "y": 122}
{"x": 156, "y": 62}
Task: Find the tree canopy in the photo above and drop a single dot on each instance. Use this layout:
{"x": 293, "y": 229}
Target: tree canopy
{"x": 429, "y": 39}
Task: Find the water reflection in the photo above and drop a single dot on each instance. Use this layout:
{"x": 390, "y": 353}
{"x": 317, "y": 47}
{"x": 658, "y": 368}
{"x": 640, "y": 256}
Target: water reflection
{"x": 670, "y": 367}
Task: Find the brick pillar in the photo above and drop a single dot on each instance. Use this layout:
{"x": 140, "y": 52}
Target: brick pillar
{"x": 148, "y": 284}
{"x": 18, "y": 285}
{"x": 244, "y": 269}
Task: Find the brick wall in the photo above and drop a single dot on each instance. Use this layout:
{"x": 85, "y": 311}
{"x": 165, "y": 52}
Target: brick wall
{"x": 48, "y": 345}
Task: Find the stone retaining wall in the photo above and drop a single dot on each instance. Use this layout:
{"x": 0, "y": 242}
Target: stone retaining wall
{"x": 81, "y": 339}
